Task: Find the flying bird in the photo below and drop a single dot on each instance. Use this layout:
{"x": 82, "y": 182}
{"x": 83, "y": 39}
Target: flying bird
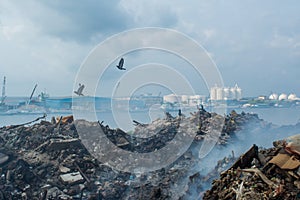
{"x": 79, "y": 90}
{"x": 120, "y": 65}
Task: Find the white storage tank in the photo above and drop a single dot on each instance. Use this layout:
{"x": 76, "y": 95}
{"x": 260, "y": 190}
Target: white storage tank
{"x": 233, "y": 92}
{"x": 185, "y": 98}
{"x": 292, "y": 97}
{"x": 273, "y": 96}
{"x": 220, "y": 94}
{"x": 171, "y": 98}
{"x": 213, "y": 93}
{"x": 282, "y": 97}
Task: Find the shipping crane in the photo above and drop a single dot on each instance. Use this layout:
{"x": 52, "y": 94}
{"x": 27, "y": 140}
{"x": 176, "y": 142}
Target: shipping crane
{"x": 3, "y": 91}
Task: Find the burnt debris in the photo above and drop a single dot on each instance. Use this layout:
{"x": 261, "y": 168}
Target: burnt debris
{"x": 47, "y": 160}
{"x": 260, "y": 174}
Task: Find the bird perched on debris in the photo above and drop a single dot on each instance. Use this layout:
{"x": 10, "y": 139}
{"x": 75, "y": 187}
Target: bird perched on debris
{"x": 79, "y": 90}
{"x": 120, "y": 65}
{"x": 179, "y": 113}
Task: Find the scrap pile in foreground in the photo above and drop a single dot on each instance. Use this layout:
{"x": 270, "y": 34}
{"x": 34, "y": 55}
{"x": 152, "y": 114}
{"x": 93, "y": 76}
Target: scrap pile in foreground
{"x": 48, "y": 160}
{"x": 262, "y": 174}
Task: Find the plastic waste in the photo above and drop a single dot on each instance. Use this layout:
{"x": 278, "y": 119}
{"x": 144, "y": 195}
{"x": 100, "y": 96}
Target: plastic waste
{"x": 292, "y": 144}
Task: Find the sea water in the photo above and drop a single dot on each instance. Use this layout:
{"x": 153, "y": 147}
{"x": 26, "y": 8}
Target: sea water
{"x": 278, "y": 116}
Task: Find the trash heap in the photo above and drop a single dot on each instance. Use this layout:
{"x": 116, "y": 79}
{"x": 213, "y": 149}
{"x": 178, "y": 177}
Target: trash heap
{"x": 47, "y": 160}
{"x": 272, "y": 173}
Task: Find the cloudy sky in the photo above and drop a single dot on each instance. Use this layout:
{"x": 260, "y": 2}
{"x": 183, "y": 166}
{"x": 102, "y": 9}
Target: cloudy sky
{"x": 254, "y": 43}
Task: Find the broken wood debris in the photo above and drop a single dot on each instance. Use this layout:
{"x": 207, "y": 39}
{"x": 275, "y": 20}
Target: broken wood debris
{"x": 246, "y": 179}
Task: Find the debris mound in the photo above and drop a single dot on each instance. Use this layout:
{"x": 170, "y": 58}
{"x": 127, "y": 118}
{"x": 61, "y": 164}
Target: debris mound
{"x": 272, "y": 173}
{"x": 48, "y": 160}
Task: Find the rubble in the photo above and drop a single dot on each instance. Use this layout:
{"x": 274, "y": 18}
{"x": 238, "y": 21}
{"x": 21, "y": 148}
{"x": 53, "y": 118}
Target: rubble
{"x": 3, "y": 158}
{"x": 247, "y": 179}
{"x": 60, "y": 144}
{"x": 72, "y": 178}
{"x": 47, "y": 160}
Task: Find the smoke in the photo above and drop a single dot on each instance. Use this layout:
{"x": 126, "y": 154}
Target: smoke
{"x": 191, "y": 175}
{"x": 261, "y": 133}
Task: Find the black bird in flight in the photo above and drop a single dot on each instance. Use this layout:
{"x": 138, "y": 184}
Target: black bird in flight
{"x": 79, "y": 90}
{"x": 121, "y": 63}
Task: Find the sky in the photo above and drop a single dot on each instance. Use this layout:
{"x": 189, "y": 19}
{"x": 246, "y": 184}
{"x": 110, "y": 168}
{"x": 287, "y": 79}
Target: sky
{"x": 255, "y": 44}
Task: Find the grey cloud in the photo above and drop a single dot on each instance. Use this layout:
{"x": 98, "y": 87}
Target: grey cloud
{"x": 150, "y": 13}
{"x": 254, "y": 43}
{"x": 77, "y": 20}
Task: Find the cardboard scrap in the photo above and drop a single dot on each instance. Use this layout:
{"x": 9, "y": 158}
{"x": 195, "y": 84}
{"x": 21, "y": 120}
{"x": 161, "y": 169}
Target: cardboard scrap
{"x": 285, "y": 161}
{"x": 65, "y": 120}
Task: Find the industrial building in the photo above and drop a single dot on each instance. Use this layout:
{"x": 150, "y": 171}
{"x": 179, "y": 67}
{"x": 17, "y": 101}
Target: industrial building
{"x": 185, "y": 100}
{"x": 225, "y": 93}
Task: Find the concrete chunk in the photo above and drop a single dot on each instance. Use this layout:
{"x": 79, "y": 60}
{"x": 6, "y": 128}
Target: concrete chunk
{"x": 64, "y": 169}
{"x": 72, "y": 178}
{"x": 3, "y": 158}
{"x": 63, "y": 144}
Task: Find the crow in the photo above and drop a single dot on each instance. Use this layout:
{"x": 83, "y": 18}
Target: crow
{"x": 121, "y": 63}
{"x": 80, "y": 89}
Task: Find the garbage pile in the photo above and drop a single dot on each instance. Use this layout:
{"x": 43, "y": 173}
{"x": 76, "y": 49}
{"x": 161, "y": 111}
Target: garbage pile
{"x": 47, "y": 160}
{"x": 272, "y": 173}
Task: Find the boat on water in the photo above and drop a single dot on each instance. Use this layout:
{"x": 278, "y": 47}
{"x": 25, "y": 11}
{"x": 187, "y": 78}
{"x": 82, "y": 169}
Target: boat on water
{"x": 22, "y": 105}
